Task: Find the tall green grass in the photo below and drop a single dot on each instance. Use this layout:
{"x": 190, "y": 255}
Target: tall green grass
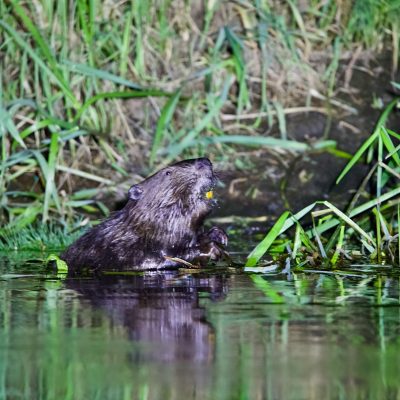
{"x": 90, "y": 88}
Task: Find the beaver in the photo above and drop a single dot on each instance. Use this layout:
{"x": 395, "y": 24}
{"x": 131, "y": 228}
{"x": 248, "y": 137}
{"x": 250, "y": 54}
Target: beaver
{"x": 160, "y": 225}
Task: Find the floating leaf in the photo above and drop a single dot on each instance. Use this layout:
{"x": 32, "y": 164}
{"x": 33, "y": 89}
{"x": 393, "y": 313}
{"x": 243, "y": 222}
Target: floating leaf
{"x": 61, "y": 265}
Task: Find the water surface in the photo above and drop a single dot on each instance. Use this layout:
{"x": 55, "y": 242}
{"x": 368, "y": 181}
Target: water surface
{"x": 210, "y": 335}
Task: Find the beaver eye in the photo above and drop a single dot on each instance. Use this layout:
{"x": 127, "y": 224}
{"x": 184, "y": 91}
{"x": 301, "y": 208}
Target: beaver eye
{"x": 168, "y": 173}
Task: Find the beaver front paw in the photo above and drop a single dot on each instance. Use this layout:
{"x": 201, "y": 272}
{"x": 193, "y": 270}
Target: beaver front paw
{"x": 212, "y": 252}
{"x": 212, "y": 245}
{"x": 217, "y": 235}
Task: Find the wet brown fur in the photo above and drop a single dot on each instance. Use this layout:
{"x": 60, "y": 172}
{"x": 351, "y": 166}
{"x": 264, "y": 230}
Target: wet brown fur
{"x": 163, "y": 217}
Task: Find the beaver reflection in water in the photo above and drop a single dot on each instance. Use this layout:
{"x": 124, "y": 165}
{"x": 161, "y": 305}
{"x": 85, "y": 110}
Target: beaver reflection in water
{"x": 162, "y": 219}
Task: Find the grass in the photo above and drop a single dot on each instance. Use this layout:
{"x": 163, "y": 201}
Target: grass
{"x": 372, "y": 226}
{"x": 39, "y": 237}
{"x": 89, "y": 89}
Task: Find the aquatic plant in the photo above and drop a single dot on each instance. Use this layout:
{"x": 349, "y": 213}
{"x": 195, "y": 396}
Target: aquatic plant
{"x": 373, "y": 224}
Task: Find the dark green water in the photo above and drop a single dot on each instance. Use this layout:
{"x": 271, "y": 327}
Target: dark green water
{"x": 221, "y": 335}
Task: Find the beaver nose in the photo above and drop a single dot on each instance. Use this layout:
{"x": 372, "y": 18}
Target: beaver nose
{"x": 202, "y": 163}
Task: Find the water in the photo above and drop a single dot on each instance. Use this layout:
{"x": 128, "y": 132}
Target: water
{"x": 209, "y": 335}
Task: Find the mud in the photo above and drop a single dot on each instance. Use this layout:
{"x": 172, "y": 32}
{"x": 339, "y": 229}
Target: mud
{"x": 276, "y": 181}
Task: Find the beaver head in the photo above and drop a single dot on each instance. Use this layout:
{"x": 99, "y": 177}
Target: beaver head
{"x": 173, "y": 202}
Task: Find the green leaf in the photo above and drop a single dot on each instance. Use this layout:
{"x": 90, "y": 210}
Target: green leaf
{"x": 7, "y": 125}
{"x": 257, "y": 141}
{"x": 339, "y": 246}
{"x": 364, "y": 147}
{"x": 62, "y": 266}
{"x": 128, "y": 94}
{"x": 101, "y": 74}
{"x": 50, "y": 190}
{"x": 164, "y": 120}
{"x": 358, "y": 210}
{"x": 85, "y": 175}
{"x": 390, "y": 146}
{"x": 349, "y": 221}
{"x": 45, "y": 50}
{"x": 264, "y": 245}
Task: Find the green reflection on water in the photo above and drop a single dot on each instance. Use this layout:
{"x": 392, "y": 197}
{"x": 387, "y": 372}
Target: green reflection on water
{"x": 199, "y": 337}
{"x": 298, "y": 351}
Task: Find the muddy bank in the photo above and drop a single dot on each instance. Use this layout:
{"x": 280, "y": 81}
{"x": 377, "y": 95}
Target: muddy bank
{"x": 277, "y": 181}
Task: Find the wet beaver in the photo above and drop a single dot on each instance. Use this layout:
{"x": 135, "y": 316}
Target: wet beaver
{"x": 162, "y": 220}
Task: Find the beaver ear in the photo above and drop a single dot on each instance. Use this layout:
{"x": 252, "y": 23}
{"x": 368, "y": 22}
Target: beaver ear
{"x": 135, "y": 192}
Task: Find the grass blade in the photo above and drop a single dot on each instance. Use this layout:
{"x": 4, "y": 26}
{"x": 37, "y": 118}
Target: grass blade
{"x": 7, "y": 125}
{"x": 390, "y": 146}
{"x": 33, "y": 128}
{"x": 339, "y": 246}
{"x": 391, "y": 133}
{"x": 296, "y": 242}
{"x": 27, "y": 216}
{"x": 256, "y": 141}
{"x": 240, "y": 67}
{"x": 128, "y": 94}
{"x": 85, "y": 175}
{"x": 164, "y": 120}
{"x": 50, "y": 190}
{"x": 358, "y": 210}
{"x": 349, "y": 221}
{"x": 398, "y": 235}
{"x": 364, "y": 147}
{"x": 320, "y": 246}
{"x": 125, "y": 46}
{"x": 296, "y": 217}
{"x": 100, "y": 74}
{"x": 368, "y": 143}
{"x": 265, "y": 244}
{"x": 46, "y": 52}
